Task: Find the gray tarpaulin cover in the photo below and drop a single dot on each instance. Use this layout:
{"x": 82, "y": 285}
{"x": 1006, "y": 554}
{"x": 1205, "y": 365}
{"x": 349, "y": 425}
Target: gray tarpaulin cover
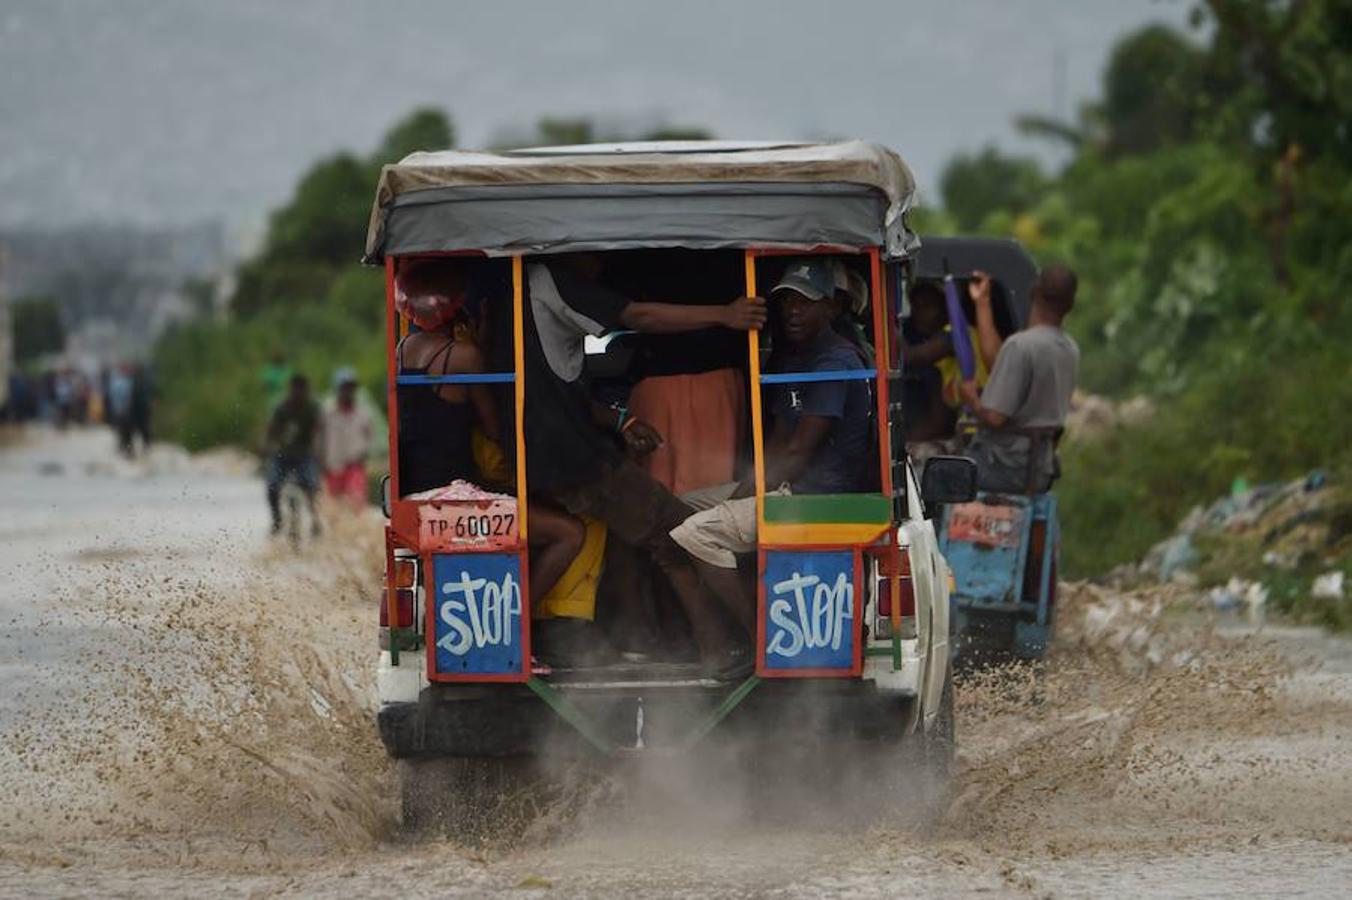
{"x": 701, "y": 195}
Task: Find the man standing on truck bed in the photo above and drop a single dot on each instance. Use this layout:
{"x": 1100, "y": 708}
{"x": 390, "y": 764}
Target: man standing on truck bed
{"x": 572, "y": 455}
{"x": 1025, "y": 402}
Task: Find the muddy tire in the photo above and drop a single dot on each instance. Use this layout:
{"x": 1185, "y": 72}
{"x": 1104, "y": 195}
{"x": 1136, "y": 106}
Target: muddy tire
{"x": 464, "y": 798}
{"x": 940, "y": 741}
{"x": 934, "y": 753}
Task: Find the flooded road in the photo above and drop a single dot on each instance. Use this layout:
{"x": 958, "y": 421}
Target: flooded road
{"x": 186, "y": 710}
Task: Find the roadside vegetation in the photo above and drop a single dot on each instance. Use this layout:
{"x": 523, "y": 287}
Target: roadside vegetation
{"x": 306, "y": 297}
{"x": 1206, "y": 203}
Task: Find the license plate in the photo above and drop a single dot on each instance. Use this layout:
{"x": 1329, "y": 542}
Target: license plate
{"x": 477, "y": 524}
{"x": 992, "y": 526}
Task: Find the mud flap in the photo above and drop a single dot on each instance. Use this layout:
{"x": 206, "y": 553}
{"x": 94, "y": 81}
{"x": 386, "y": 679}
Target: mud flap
{"x": 1030, "y": 640}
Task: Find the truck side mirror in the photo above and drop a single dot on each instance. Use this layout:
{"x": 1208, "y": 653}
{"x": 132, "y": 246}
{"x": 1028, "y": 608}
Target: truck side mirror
{"x": 385, "y": 505}
{"x": 948, "y": 479}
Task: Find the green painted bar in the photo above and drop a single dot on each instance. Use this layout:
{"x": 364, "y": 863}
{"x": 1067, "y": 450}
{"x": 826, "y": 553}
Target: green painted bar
{"x": 827, "y": 509}
{"x": 570, "y": 714}
{"x": 730, "y": 702}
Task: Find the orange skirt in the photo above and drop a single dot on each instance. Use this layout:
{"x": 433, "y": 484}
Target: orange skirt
{"x": 700, "y": 418}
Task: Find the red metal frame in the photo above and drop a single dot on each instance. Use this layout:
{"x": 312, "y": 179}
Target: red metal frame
{"x": 404, "y": 513}
{"x": 392, "y": 375}
{"x": 856, "y": 668}
{"x": 403, "y": 528}
{"x": 391, "y": 405}
{"x": 881, "y": 365}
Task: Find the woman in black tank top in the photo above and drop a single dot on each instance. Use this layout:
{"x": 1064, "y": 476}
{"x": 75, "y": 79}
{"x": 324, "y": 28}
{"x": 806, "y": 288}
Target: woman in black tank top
{"x": 434, "y": 432}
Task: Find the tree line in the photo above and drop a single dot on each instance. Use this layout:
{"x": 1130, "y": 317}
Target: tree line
{"x": 1206, "y": 203}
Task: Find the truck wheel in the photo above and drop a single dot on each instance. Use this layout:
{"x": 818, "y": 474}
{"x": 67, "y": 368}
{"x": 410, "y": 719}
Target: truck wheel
{"x": 941, "y": 740}
{"x": 463, "y": 797}
{"x": 937, "y": 753}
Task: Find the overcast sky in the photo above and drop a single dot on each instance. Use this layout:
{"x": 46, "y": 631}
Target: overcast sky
{"x": 183, "y": 110}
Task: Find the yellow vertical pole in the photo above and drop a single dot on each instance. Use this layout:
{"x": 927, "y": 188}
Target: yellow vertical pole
{"x": 757, "y": 426}
{"x": 519, "y": 354}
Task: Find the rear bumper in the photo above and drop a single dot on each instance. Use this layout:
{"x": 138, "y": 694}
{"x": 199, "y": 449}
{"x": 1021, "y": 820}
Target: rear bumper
{"x": 509, "y": 720}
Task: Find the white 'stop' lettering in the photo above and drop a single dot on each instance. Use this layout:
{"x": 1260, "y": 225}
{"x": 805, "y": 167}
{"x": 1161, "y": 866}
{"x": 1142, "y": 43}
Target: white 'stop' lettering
{"x": 808, "y": 614}
{"x": 479, "y": 613}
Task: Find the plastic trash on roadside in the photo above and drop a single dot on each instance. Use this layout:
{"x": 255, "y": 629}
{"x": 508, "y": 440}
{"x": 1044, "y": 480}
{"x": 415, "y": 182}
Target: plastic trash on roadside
{"x": 1240, "y": 595}
{"x": 1328, "y": 586}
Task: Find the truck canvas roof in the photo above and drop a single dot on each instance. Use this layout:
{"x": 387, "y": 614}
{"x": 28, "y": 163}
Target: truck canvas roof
{"x": 693, "y": 194}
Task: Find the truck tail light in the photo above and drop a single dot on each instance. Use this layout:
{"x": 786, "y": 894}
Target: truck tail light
{"x": 900, "y": 566}
{"x": 907, "y": 592}
{"x": 404, "y": 605}
{"x": 405, "y": 572}
{"x": 404, "y": 575}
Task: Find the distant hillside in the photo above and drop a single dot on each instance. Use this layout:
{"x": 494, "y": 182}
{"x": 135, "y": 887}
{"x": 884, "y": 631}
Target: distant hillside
{"x": 118, "y": 288}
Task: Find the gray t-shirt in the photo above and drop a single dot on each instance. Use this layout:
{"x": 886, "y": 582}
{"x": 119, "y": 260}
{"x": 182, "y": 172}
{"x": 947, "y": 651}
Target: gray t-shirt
{"x": 1033, "y": 379}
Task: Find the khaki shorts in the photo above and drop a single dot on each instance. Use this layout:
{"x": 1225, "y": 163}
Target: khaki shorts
{"x": 722, "y": 528}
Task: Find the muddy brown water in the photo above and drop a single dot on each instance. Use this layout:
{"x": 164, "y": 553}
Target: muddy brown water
{"x": 187, "y": 710}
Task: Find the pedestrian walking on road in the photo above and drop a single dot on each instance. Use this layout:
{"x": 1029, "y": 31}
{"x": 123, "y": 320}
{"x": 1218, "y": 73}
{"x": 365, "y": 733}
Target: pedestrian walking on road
{"x": 345, "y": 441}
{"x": 121, "y": 388}
{"x": 289, "y": 449}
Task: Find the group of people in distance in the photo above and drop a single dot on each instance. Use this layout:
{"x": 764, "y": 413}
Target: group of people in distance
{"x": 305, "y": 439}
{"x": 587, "y": 460}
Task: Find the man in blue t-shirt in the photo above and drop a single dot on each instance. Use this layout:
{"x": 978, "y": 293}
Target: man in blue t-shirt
{"x": 818, "y": 437}
{"x": 818, "y": 441}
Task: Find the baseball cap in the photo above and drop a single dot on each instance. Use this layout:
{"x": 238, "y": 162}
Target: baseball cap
{"x": 811, "y": 278}
{"x": 344, "y": 375}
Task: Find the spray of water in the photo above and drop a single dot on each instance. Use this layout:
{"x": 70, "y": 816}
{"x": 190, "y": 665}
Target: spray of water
{"x": 225, "y": 715}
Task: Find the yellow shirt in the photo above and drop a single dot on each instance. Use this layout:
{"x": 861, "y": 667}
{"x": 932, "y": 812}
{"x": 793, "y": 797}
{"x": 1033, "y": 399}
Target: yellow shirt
{"x": 952, "y": 375}
{"x": 574, "y": 595}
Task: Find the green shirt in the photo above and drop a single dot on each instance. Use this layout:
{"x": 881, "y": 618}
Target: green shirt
{"x": 275, "y": 380}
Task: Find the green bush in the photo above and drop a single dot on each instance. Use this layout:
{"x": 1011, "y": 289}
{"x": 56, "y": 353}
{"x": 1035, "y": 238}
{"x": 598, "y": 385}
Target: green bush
{"x": 1252, "y": 413}
{"x": 210, "y": 375}
{"x": 304, "y": 297}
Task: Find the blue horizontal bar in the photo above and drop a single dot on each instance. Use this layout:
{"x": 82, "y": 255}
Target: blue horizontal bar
{"x": 480, "y": 378}
{"x": 806, "y": 377}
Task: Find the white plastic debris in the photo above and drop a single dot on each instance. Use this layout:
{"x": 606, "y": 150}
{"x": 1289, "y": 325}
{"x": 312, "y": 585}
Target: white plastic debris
{"x": 321, "y": 707}
{"x": 1240, "y": 595}
{"x": 1328, "y": 586}
{"x": 1279, "y": 560}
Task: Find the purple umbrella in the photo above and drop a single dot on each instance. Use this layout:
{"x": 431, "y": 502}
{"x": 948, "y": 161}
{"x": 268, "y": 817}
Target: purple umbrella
{"x": 962, "y": 338}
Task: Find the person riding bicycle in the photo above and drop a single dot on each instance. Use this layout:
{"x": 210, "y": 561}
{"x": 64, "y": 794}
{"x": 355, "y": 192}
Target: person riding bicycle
{"x": 289, "y": 448}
